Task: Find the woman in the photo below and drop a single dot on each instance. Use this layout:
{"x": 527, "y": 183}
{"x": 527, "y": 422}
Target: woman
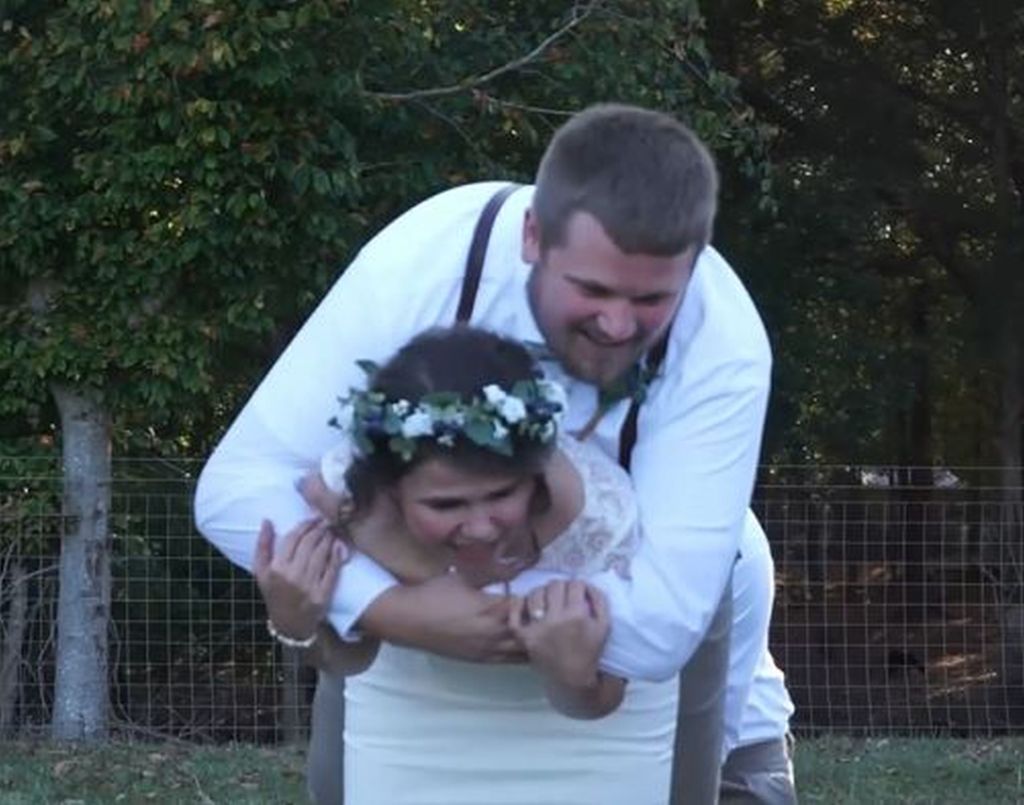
{"x": 455, "y": 470}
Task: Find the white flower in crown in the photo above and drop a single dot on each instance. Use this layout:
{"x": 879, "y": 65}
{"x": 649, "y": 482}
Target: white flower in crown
{"x": 500, "y": 431}
{"x": 346, "y": 415}
{"x": 554, "y": 393}
{"x": 401, "y": 408}
{"x": 418, "y": 423}
{"x": 512, "y": 409}
{"x": 494, "y": 394}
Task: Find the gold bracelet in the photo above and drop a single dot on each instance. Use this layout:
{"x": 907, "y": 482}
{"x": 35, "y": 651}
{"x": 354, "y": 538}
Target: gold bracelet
{"x": 290, "y": 642}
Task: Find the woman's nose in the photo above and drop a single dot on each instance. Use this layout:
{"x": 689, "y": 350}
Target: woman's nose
{"x": 480, "y": 525}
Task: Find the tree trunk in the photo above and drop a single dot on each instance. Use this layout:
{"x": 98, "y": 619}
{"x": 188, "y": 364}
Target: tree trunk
{"x": 81, "y": 697}
{"x": 10, "y": 648}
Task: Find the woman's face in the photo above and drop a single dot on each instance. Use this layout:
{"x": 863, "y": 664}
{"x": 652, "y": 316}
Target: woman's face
{"x": 483, "y": 519}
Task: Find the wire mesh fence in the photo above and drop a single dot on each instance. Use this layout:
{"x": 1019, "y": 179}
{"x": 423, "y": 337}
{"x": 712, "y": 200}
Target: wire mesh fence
{"x": 900, "y": 606}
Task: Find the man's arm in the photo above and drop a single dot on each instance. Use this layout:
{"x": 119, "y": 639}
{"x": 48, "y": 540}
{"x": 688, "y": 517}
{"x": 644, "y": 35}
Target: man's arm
{"x": 405, "y": 280}
{"x": 693, "y": 468}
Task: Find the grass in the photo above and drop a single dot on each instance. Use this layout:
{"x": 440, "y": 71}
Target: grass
{"x": 917, "y": 771}
{"x": 837, "y": 771}
{"x": 149, "y": 773}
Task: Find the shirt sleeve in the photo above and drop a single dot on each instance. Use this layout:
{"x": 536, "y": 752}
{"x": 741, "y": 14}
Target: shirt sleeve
{"x": 693, "y": 468}
{"x": 382, "y": 300}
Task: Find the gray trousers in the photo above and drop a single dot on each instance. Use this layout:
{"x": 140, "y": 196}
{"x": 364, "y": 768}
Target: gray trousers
{"x": 699, "y": 736}
{"x": 760, "y": 774}
{"x": 700, "y": 724}
{"x": 325, "y": 766}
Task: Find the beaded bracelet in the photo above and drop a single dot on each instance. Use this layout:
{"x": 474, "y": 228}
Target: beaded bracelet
{"x": 290, "y": 642}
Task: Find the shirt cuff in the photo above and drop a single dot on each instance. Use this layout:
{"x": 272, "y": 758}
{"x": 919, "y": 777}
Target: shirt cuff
{"x": 361, "y": 581}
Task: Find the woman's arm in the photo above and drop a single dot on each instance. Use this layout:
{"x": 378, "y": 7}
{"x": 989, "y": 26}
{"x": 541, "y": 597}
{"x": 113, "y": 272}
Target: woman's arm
{"x": 564, "y": 626}
{"x": 297, "y": 582}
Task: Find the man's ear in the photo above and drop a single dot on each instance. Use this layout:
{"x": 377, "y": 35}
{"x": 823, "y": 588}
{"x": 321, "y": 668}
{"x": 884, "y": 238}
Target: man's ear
{"x": 531, "y": 238}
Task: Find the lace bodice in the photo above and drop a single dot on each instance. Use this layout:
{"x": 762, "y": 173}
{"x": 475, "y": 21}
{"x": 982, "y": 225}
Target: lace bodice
{"x": 605, "y": 534}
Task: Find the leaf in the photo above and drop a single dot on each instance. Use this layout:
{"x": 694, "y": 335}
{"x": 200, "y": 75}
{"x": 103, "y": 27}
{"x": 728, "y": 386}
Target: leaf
{"x": 370, "y": 368}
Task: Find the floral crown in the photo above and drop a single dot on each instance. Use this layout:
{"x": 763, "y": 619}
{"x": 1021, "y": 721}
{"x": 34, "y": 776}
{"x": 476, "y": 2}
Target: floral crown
{"x": 531, "y": 409}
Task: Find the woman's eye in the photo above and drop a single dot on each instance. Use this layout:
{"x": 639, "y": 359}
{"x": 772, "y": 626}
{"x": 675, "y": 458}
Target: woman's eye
{"x": 443, "y": 505}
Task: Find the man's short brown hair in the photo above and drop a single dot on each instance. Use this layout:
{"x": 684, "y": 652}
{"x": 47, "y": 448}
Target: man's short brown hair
{"x": 642, "y": 174}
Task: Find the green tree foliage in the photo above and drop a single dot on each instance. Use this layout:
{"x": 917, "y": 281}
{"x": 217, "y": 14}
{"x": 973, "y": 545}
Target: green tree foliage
{"x": 892, "y": 273}
{"x": 179, "y": 183}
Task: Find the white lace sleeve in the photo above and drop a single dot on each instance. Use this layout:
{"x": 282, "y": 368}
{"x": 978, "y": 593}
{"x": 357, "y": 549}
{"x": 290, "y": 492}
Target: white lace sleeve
{"x": 605, "y": 535}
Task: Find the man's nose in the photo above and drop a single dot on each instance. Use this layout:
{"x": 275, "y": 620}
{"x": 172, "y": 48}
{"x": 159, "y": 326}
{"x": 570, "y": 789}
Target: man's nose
{"x": 615, "y": 321}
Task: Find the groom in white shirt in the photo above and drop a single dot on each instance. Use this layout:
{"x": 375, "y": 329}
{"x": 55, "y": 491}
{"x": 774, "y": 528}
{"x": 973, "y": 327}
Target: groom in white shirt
{"x": 607, "y": 262}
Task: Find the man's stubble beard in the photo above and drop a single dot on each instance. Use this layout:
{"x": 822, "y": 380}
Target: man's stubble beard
{"x": 561, "y": 341}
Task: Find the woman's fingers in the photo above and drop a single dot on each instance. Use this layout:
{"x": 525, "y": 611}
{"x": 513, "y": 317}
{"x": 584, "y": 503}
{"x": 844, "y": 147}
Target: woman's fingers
{"x": 294, "y": 539}
{"x": 537, "y": 604}
{"x": 555, "y": 592}
{"x": 315, "y": 551}
{"x": 334, "y": 558}
{"x": 517, "y": 614}
{"x": 576, "y": 597}
{"x": 264, "y": 549}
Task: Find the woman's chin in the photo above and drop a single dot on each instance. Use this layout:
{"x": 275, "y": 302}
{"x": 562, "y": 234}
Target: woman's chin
{"x": 481, "y": 573}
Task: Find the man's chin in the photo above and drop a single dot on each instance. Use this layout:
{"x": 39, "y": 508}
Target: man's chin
{"x": 601, "y": 373}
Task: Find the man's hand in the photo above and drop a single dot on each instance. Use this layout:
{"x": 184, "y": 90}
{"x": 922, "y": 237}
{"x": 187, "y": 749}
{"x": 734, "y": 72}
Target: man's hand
{"x": 446, "y": 616}
{"x": 298, "y": 580}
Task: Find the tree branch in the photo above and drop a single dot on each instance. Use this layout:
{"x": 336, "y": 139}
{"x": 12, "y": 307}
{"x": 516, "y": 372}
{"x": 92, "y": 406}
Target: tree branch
{"x": 492, "y": 100}
{"x": 578, "y": 15}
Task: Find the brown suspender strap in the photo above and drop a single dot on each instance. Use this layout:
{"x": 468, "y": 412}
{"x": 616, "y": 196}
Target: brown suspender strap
{"x": 477, "y": 252}
{"x": 627, "y": 436}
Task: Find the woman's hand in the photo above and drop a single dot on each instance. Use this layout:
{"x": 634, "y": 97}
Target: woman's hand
{"x": 563, "y": 626}
{"x": 297, "y": 581}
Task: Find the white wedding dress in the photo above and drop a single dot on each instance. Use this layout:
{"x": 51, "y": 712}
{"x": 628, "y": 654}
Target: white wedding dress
{"x": 424, "y": 730}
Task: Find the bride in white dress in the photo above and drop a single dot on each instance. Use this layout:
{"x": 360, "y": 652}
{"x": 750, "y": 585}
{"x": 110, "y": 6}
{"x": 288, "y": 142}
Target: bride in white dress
{"x": 457, "y": 468}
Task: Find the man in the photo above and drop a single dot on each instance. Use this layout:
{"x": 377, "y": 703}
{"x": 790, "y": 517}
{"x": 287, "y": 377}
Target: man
{"x": 603, "y": 259}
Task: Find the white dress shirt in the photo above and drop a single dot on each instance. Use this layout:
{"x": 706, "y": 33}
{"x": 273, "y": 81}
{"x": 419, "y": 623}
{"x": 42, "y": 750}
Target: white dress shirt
{"x": 757, "y": 704}
{"x": 693, "y": 466}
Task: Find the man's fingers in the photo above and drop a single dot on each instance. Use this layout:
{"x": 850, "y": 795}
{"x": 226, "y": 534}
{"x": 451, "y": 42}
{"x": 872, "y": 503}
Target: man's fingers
{"x": 264, "y": 549}
{"x": 508, "y": 651}
{"x": 315, "y": 492}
